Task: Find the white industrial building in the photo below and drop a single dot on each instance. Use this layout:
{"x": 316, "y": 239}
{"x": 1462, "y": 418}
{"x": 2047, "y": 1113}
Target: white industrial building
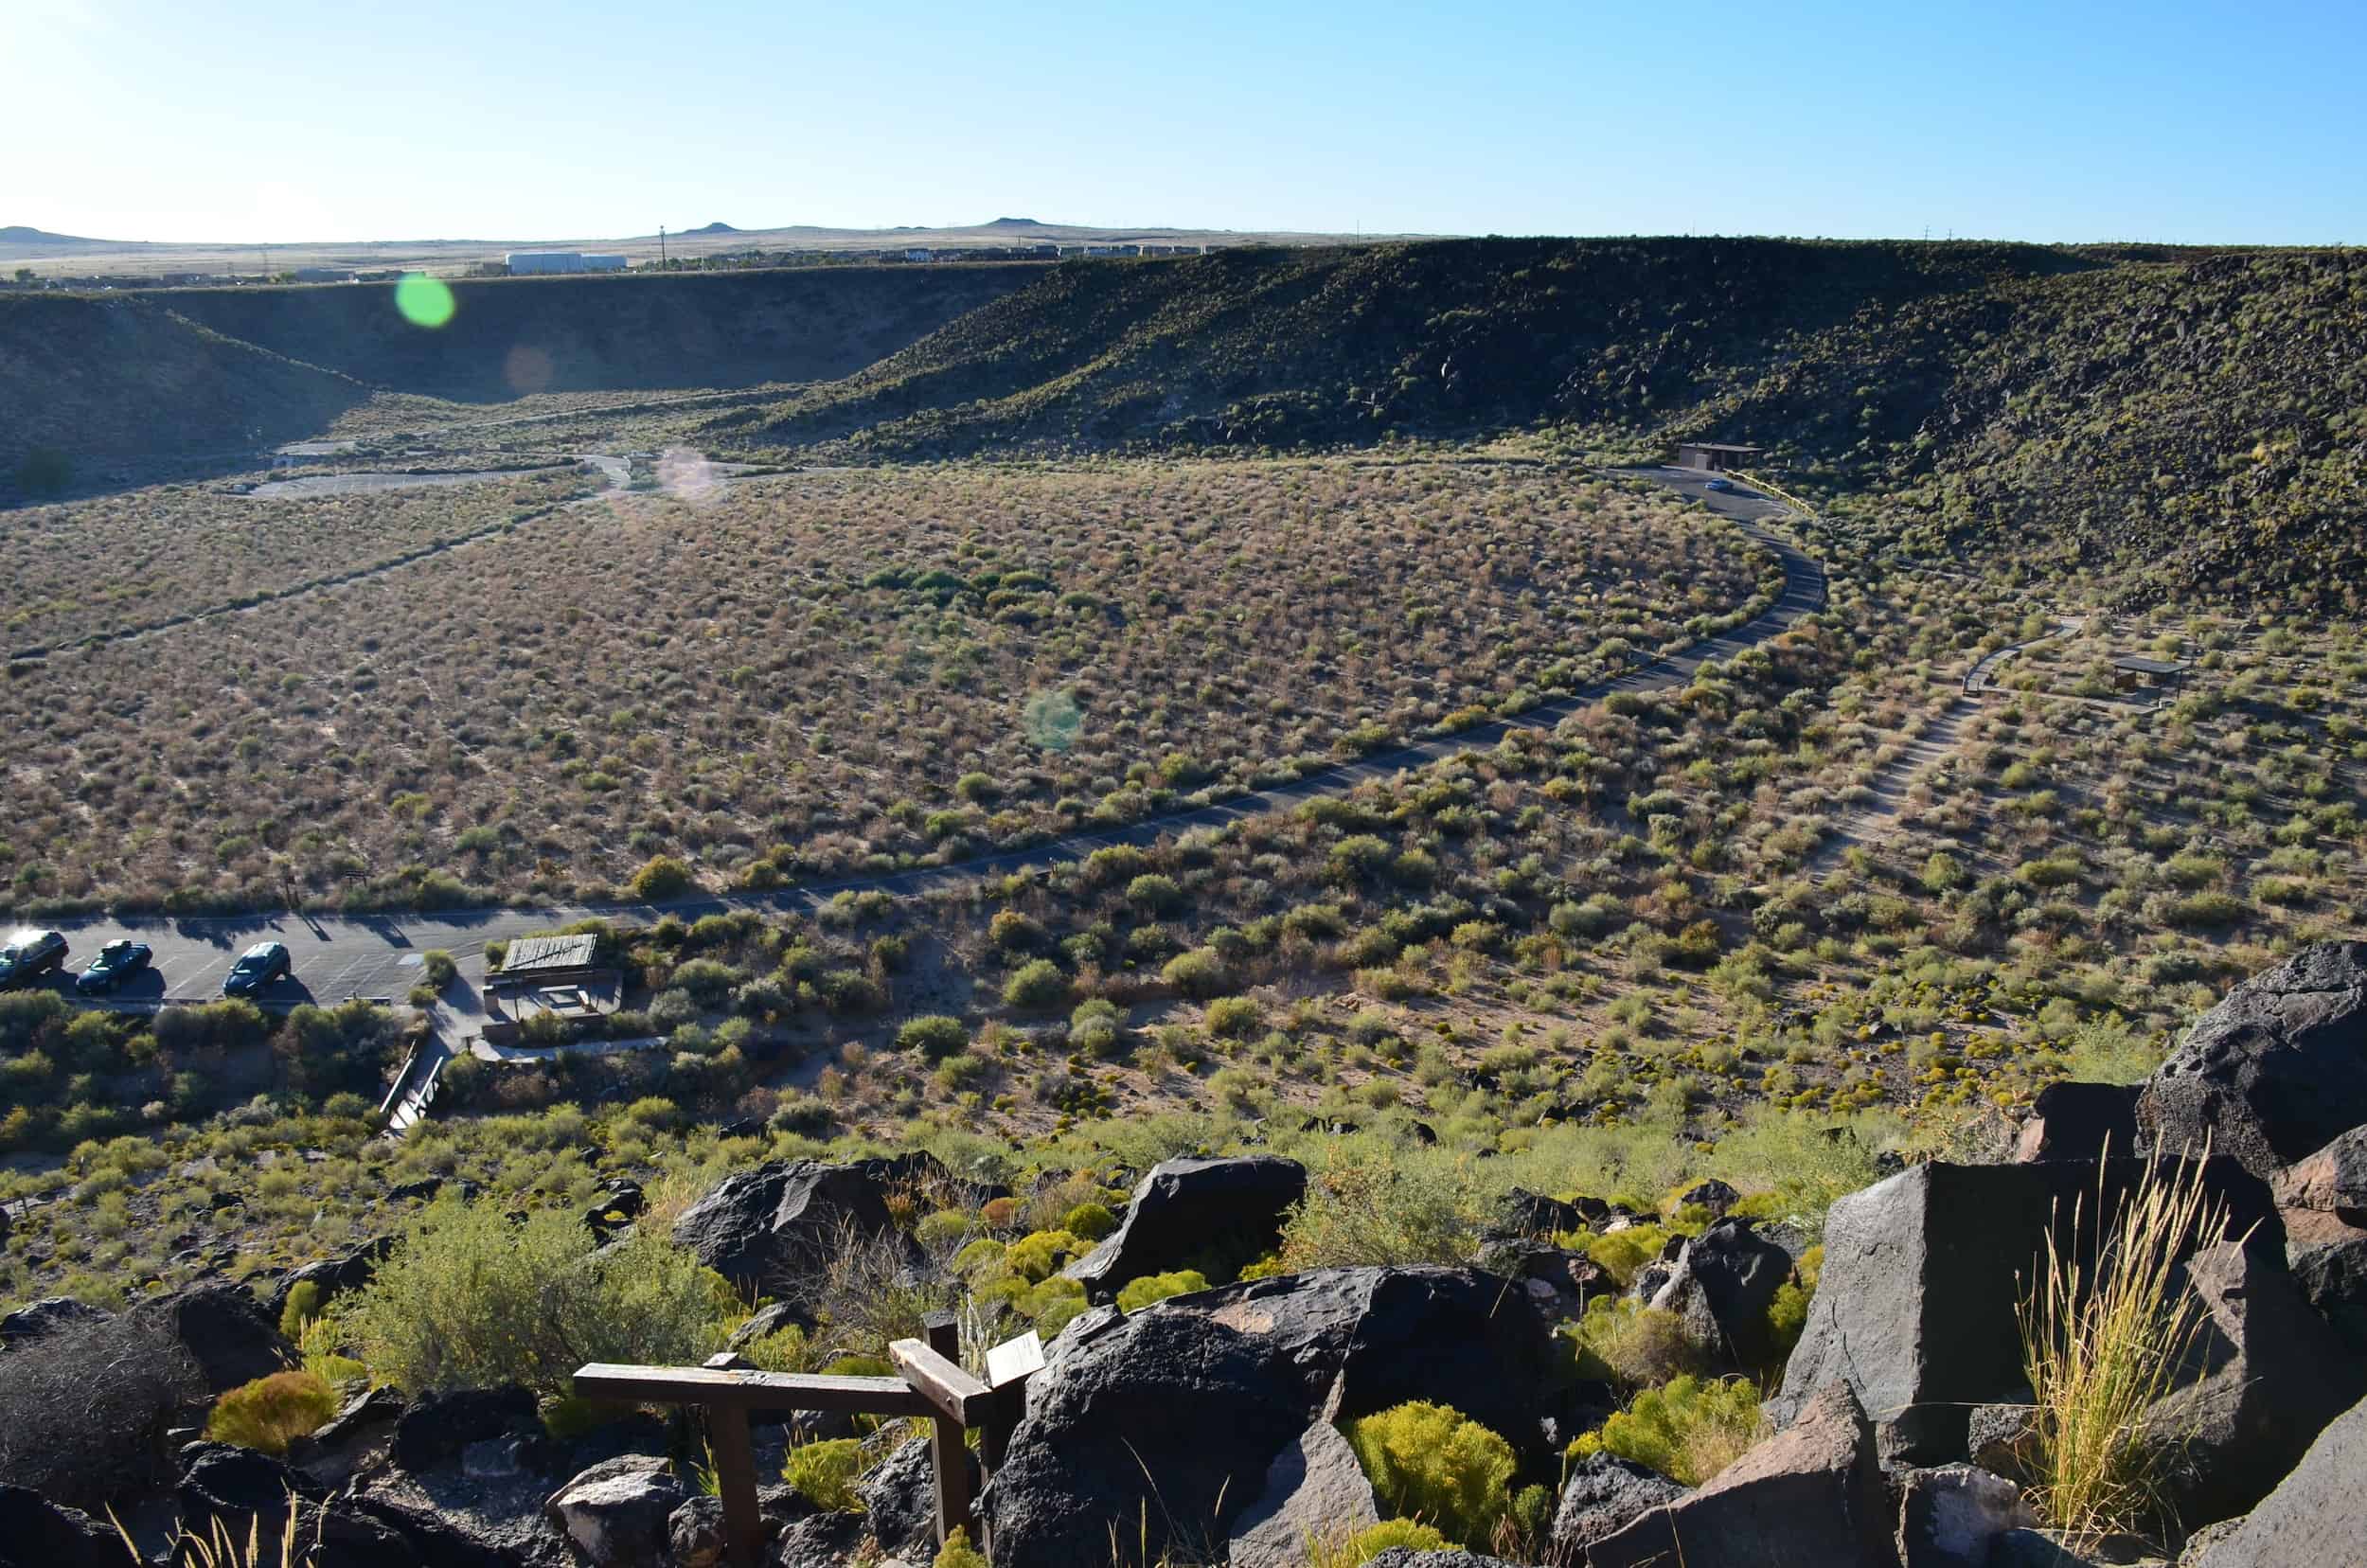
{"x": 523, "y": 264}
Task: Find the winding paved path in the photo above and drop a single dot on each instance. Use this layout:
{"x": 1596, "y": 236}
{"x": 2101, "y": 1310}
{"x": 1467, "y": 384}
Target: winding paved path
{"x": 379, "y": 955}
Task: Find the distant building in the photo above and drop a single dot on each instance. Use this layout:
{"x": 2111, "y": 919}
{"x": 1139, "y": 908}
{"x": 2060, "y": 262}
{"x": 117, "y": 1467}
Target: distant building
{"x": 2134, "y": 672}
{"x": 531, "y": 263}
{"x": 1713, "y": 457}
{"x": 920, "y": 254}
{"x": 323, "y": 274}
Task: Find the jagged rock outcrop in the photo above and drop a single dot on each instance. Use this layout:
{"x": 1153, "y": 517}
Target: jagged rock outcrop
{"x": 1952, "y": 1517}
{"x": 2317, "y": 1517}
{"x": 1811, "y": 1497}
{"x": 1187, "y": 1211}
{"x": 436, "y": 1430}
{"x": 1721, "y": 1286}
{"x": 333, "y": 1275}
{"x": 1315, "y": 1490}
{"x": 760, "y": 1228}
{"x": 2322, "y": 1198}
{"x": 1205, "y": 1392}
{"x": 2270, "y": 1375}
{"x": 1604, "y": 1495}
{"x": 899, "y": 1501}
{"x": 2275, "y": 1072}
{"x": 1916, "y": 1307}
{"x": 236, "y": 1494}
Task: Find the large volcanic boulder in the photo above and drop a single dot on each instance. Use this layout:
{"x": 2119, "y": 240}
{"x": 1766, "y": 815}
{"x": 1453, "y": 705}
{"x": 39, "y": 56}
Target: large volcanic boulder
{"x": 1952, "y": 1517}
{"x": 1724, "y": 1281}
{"x": 2270, "y": 1375}
{"x": 36, "y": 1533}
{"x": 1604, "y": 1495}
{"x": 1811, "y": 1497}
{"x": 236, "y": 1494}
{"x": 615, "y": 1513}
{"x": 1171, "y": 1420}
{"x": 2274, "y": 1073}
{"x": 1214, "y": 1214}
{"x": 438, "y": 1428}
{"x": 226, "y": 1329}
{"x": 2317, "y": 1517}
{"x": 760, "y": 1227}
{"x": 48, "y": 1316}
{"x": 2323, "y": 1202}
{"x": 1916, "y": 1307}
{"x": 2080, "y": 1121}
{"x": 1315, "y": 1491}
{"x": 333, "y": 1276}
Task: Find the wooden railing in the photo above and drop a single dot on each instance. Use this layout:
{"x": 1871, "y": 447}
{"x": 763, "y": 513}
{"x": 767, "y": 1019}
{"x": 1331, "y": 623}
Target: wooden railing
{"x": 930, "y": 1384}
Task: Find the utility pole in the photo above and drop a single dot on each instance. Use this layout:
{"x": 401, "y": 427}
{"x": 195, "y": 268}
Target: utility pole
{"x": 661, "y": 247}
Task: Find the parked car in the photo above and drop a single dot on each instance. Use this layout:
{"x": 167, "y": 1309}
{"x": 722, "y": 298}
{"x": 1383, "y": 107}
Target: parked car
{"x": 1723, "y": 487}
{"x": 258, "y": 966}
{"x": 117, "y": 962}
{"x": 29, "y": 956}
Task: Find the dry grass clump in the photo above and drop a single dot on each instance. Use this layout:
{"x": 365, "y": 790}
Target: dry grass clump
{"x": 2103, "y": 1343}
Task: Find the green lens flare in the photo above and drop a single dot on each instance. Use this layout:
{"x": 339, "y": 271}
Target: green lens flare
{"x": 424, "y": 301}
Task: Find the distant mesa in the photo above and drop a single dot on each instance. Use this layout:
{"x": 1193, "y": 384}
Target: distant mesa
{"x": 19, "y": 234}
{"x": 1013, "y": 223}
{"x": 713, "y": 228}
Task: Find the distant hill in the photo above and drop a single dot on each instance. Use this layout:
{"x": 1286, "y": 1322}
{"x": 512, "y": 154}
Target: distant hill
{"x": 712, "y": 228}
{"x": 2189, "y": 420}
{"x": 17, "y": 240}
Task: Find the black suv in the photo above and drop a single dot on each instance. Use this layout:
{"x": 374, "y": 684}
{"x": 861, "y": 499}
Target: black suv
{"x": 258, "y": 966}
{"x": 29, "y": 956}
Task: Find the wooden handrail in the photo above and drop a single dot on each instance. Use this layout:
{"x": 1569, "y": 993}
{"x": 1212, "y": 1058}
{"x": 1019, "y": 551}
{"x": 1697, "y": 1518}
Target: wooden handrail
{"x": 934, "y": 1387}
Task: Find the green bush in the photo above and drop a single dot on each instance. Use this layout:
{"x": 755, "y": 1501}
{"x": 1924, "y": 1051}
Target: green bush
{"x": 1199, "y": 974}
{"x": 1150, "y": 891}
{"x": 1688, "y": 1431}
{"x": 1426, "y": 1462}
{"x": 1040, "y": 1254}
{"x": 1624, "y": 1251}
{"x": 1090, "y": 1221}
{"x": 1369, "y": 1200}
{"x": 958, "y": 1553}
{"x": 1623, "y": 1341}
{"x": 825, "y": 1473}
{"x": 1037, "y": 983}
{"x": 1140, "y": 1293}
{"x": 943, "y": 1228}
{"x": 271, "y": 1412}
{"x": 471, "y": 1298}
{"x": 1788, "y": 1314}
{"x": 934, "y": 1035}
{"x": 1234, "y": 1017}
{"x": 303, "y": 1305}
{"x": 661, "y": 878}
{"x": 1370, "y": 1543}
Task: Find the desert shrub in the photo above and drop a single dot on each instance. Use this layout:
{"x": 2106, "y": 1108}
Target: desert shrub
{"x": 302, "y": 1306}
{"x": 1623, "y": 1340}
{"x": 825, "y": 1473}
{"x": 958, "y": 1553}
{"x": 1621, "y": 1253}
{"x": 1427, "y": 1462}
{"x": 1153, "y": 892}
{"x": 1139, "y": 1293}
{"x": 1788, "y": 1314}
{"x": 1199, "y": 973}
{"x": 1038, "y": 1254}
{"x": 1371, "y": 1541}
{"x": 86, "y": 1410}
{"x": 1234, "y": 1017}
{"x": 942, "y": 1229}
{"x": 1090, "y": 1221}
{"x": 270, "y": 1411}
{"x": 661, "y": 878}
{"x": 1370, "y": 1202}
{"x": 471, "y": 1298}
{"x": 1688, "y": 1431}
{"x": 934, "y": 1035}
{"x": 1037, "y": 983}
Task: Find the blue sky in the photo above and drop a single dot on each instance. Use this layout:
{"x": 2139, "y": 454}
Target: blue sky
{"x": 159, "y": 120}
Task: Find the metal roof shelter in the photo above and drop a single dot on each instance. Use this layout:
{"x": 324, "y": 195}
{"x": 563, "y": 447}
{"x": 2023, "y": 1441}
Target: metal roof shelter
{"x": 1713, "y": 457}
{"x": 532, "y": 955}
{"x": 2139, "y": 665}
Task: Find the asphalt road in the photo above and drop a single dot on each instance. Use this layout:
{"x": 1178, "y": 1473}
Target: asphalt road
{"x": 337, "y": 957}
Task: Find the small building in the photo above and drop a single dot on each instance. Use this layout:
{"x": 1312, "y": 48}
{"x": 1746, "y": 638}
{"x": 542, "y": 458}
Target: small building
{"x": 2135, "y": 672}
{"x": 920, "y": 254}
{"x": 545, "y": 263}
{"x": 554, "y": 976}
{"x": 1713, "y": 457}
{"x": 322, "y": 274}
